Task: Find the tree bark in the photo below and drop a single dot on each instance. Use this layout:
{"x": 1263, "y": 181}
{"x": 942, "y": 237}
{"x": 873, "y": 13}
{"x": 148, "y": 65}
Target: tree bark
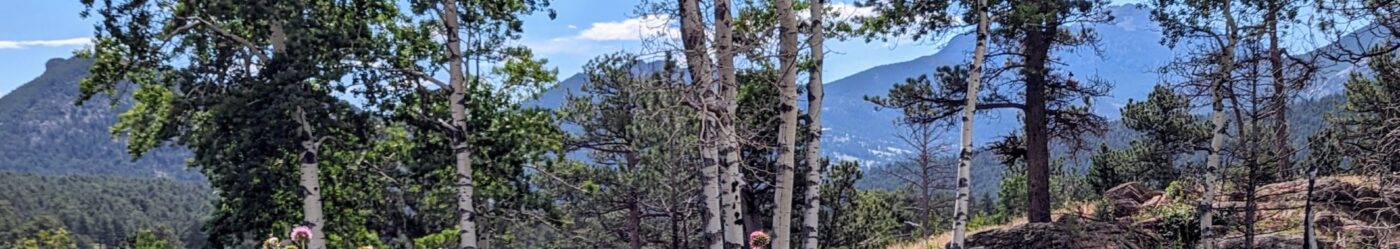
{"x": 634, "y": 206}
{"x": 815, "y": 93}
{"x": 1217, "y": 116}
{"x": 1036, "y": 49}
{"x": 309, "y": 160}
{"x": 697, "y": 61}
{"x": 974, "y": 82}
{"x": 1309, "y": 238}
{"x": 1281, "y": 149}
{"x": 312, "y": 214}
{"x": 461, "y": 147}
{"x": 787, "y": 130}
{"x": 731, "y": 179}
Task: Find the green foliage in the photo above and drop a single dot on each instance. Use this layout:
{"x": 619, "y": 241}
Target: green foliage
{"x": 1180, "y": 223}
{"x": 1104, "y": 167}
{"x": 855, "y": 218}
{"x": 629, "y": 119}
{"x": 1011, "y": 201}
{"x": 1370, "y": 116}
{"x": 147, "y": 239}
{"x": 444, "y": 239}
{"x": 101, "y": 210}
{"x": 246, "y": 87}
{"x": 49, "y": 239}
{"x": 1168, "y": 131}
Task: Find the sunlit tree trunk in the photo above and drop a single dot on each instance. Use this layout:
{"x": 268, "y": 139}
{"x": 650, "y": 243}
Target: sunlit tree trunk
{"x": 811, "y": 213}
{"x": 697, "y": 61}
{"x": 731, "y": 179}
{"x": 787, "y": 130}
{"x": 974, "y": 82}
{"x": 1217, "y": 117}
{"x": 461, "y": 147}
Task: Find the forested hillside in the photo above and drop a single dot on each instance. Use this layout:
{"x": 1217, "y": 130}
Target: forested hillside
{"x": 323, "y": 124}
{"x": 46, "y": 133}
{"x": 101, "y": 210}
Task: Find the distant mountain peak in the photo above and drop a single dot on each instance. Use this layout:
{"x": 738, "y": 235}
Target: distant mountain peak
{"x": 44, "y": 132}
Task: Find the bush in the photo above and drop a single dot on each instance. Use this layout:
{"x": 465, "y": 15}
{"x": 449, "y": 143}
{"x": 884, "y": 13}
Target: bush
{"x": 1179, "y": 224}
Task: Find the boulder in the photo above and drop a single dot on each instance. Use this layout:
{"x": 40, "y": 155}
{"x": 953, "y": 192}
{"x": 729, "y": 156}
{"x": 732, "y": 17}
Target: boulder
{"x": 1124, "y": 207}
{"x": 1269, "y": 241}
{"x": 1065, "y": 233}
{"x": 1129, "y": 191}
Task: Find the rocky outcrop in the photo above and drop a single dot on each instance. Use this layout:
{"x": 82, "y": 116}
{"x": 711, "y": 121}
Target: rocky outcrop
{"x": 1350, "y": 211}
{"x": 1067, "y": 232}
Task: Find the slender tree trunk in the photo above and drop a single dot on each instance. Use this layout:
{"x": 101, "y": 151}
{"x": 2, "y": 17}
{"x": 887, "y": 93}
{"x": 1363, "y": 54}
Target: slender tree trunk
{"x": 461, "y": 147}
{"x": 634, "y": 206}
{"x": 1281, "y": 149}
{"x": 634, "y": 224}
{"x": 1036, "y": 48}
{"x": 310, "y": 168}
{"x": 1309, "y": 237}
{"x": 697, "y": 60}
{"x": 309, "y": 161}
{"x": 787, "y": 130}
{"x": 974, "y": 82}
{"x": 815, "y": 93}
{"x": 1217, "y": 117}
{"x": 732, "y": 179}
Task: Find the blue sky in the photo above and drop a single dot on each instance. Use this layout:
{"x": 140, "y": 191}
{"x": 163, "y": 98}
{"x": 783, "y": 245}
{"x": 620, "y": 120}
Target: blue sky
{"x": 31, "y": 32}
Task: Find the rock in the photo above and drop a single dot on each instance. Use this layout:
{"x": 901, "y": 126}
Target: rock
{"x": 1269, "y": 241}
{"x": 1155, "y": 201}
{"x": 1065, "y": 233}
{"x": 1130, "y": 191}
{"x": 1124, "y": 207}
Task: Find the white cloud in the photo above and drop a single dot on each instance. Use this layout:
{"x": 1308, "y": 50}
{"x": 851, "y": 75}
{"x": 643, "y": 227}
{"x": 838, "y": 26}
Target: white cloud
{"x": 571, "y": 26}
{"x": 635, "y": 28}
{"x": 45, "y": 43}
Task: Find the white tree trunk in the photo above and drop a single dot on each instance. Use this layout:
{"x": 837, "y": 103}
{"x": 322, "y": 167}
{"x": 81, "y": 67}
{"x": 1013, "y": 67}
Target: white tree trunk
{"x": 311, "y": 202}
{"x": 787, "y": 130}
{"x": 1217, "y": 117}
{"x": 461, "y": 148}
{"x": 697, "y": 60}
{"x": 731, "y": 179}
{"x": 815, "y": 93}
{"x": 974, "y": 81}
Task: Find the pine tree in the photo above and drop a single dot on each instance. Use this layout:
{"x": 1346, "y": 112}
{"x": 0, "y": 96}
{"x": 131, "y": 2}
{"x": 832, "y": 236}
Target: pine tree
{"x": 1034, "y": 27}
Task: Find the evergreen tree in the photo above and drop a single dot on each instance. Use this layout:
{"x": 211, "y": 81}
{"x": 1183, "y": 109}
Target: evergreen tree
{"x": 1047, "y": 100}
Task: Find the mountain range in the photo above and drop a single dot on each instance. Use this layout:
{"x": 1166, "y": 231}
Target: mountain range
{"x": 1127, "y": 56}
{"x": 45, "y": 133}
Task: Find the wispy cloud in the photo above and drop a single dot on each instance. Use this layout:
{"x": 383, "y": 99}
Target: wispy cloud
{"x": 45, "y": 43}
{"x": 608, "y": 36}
{"x": 635, "y": 28}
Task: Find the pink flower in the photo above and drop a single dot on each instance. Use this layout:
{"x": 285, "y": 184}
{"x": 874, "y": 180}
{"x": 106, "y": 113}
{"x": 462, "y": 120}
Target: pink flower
{"x": 758, "y": 239}
{"x": 300, "y": 231}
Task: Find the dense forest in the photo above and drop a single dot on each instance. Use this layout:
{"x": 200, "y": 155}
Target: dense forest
{"x": 424, "y": 124}
{"x": 100, "y": 210}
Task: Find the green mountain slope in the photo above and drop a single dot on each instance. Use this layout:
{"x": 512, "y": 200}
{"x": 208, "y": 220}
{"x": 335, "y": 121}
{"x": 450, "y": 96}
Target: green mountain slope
{"x": 42, "y": 131}
{"x": 101, "y": 209}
